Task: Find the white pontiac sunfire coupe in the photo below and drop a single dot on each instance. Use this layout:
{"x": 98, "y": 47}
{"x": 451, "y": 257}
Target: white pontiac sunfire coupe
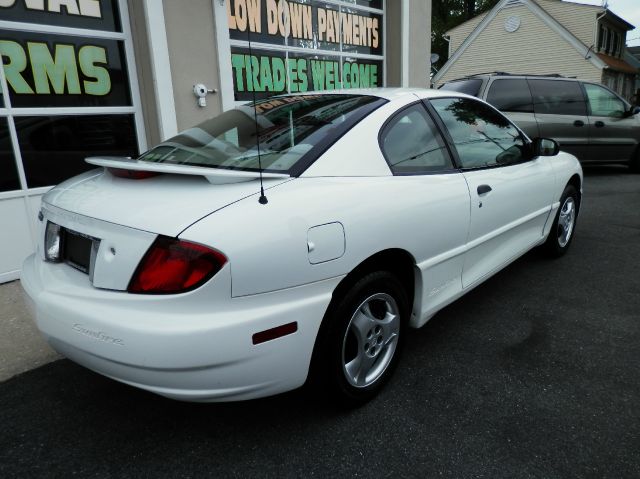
{"x": 173, "y": 273}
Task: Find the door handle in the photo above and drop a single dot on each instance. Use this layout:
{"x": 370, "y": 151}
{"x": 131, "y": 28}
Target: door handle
{"x": 599, "y": 124}
{"x": 578, "y": 123}
{"x": 483, "y": 189}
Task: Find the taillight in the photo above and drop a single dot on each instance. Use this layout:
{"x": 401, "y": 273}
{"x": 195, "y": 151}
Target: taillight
{"x": 132, "y": 174}
{"x": 175, "y": 266}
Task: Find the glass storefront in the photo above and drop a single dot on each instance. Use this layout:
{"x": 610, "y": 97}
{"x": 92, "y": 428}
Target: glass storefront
{"x": 305, "y": 45}
{"x": 69, "y": 95}
{"x": 66, "y": 92}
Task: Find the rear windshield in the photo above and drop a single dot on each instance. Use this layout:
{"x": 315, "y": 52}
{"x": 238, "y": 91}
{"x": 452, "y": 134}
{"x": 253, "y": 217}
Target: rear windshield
{"x": 290, "y": 129}
{"x": 470, "y": 87}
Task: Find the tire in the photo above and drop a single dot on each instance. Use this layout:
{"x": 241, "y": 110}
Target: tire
{"x": 361, "y": 339}
{"x": 634, "y": 163}
{"x": 564, "y": 224}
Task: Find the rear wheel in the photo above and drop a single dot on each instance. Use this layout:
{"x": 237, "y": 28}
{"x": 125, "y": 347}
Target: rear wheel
{"x": 564, "y": 224}
{"x": 360, "y": 342}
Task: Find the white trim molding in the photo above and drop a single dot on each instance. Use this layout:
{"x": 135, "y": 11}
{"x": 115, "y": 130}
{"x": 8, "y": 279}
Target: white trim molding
{"x": 161, "y": 68}
{"x": 404, "y": 28}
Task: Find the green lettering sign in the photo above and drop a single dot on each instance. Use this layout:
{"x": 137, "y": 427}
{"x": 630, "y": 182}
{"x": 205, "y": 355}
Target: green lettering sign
{"x": 57, "y": 72}
{"x": 88, "y": 57}
{"x": 15, "y": 66}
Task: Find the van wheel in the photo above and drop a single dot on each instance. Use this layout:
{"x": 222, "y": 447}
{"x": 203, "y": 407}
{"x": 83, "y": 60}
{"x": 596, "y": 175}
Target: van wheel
{"x": 564, "y": 224}
{"x": 359, "y": 347}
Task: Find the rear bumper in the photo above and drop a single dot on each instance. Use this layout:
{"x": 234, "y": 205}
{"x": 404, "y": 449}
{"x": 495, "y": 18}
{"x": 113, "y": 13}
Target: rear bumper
{"x": 195, "y": 346}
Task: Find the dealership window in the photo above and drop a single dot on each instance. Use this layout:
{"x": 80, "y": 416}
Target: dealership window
{"x": 67, "y": 84}
{"x": 305, "y": 45}
{"x": 68, "y": 90}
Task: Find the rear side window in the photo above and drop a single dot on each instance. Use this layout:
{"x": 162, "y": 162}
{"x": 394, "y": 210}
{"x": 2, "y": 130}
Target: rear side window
{"x": 511, "y": 95}
{"x": 470, "y": 87}
{"x": 557, "y": 97}
{"x": 411, "y": 143}
{"x": 482, "y": 136}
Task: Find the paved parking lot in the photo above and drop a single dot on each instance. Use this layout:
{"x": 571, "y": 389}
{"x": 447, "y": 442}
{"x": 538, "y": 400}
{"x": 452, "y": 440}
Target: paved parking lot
{"x": 533, "y": 374}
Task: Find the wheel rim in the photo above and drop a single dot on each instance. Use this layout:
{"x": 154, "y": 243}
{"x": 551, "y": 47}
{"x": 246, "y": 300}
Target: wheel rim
{"x": 566, "y": 221}
{"x": 370, "y": 340}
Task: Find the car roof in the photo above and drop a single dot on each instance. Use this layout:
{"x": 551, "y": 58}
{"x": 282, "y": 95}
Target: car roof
{"x": 483, "y": 76}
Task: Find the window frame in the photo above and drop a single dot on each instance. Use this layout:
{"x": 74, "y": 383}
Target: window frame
{"x": 447, "y": 145}
{"x": 503, "y": 79}
{"x": 626, "y": 104}
{"x": 449, "y": 139}
{"x": 566, "y": 80}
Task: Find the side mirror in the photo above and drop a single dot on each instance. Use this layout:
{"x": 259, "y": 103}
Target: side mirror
{"x": 634, "y": 110}
{"x": 545, "y": 147}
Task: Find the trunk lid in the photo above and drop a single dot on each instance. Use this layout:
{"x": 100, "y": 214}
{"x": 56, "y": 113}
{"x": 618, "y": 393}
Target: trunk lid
{"x": 166, "y": 204}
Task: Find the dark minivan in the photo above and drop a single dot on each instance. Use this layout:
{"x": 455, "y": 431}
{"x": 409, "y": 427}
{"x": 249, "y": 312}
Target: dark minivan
{"x": 587, "y": 119}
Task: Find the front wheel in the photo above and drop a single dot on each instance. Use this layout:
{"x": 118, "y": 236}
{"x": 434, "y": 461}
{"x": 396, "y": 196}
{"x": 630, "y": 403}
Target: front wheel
{"x": 359, "y": 345}
{"x": 564, "y": 224}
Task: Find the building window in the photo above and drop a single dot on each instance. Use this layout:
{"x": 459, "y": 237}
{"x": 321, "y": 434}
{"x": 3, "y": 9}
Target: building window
{"x": 616, "y": 43}
{"x": 324, "y": 46}
{"x": 67, "y": 90}
{"x": 601, "y": 38}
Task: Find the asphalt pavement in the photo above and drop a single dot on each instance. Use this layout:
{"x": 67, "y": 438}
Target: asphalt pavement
{"x": 533, "y": 374}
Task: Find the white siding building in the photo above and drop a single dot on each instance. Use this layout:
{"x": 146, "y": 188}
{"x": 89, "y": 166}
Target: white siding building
{"x": 542, "y": 37}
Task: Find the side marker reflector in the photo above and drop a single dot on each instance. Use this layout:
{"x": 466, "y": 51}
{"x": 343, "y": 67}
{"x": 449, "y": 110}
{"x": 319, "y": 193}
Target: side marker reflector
{"x": 274, "y": 333}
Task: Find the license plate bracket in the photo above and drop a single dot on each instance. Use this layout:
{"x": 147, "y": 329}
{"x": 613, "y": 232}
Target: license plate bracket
{"x": 79, "y": 250}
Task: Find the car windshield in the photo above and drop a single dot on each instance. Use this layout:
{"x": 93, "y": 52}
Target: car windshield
{"x": 470, "y": 87}
{"x": 289, "y": 127}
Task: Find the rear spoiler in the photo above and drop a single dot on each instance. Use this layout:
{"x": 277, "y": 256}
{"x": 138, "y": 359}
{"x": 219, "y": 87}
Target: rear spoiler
{"x": 216, "y": 176}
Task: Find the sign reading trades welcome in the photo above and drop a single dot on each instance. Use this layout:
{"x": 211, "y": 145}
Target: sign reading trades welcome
{"x": 304, "y": 45}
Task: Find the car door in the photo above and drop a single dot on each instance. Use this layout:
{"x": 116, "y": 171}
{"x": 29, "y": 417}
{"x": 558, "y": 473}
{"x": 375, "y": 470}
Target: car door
{"x": 511, "y": 191}
{"x": 561, "y": 114}
{"x": 613, "y": 133}
{"x": 434, "y": 219}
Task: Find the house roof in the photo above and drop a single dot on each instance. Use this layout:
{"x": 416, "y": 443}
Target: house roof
{"x": 612, "y": 16}
{"x": 542, "y": 14}
{"x": 617, "y": 64}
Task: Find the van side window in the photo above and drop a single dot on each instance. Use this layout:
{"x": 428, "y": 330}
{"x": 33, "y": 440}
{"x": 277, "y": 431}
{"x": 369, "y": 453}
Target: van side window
{"x": 511, "y": 95}
{"x": 482, "y": 136}
{"x": 411, "y": 143}
{"x": 557, "y": 97}
{"x": 602, "y": 102}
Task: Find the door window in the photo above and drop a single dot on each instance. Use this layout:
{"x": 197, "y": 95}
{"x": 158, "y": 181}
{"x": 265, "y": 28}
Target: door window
{"x": 602, "y": 102}
{"x": 411, "y": 143}
{"x": 481, "y": 135}
{"x": 557, "y": 97}
{"x": 511, "y": 95}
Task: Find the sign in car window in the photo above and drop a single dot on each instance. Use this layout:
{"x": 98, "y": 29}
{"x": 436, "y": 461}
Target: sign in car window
{"x": 90, "y": 14}
{"x": 304, "y": 45}
{"x": 46, "y": 70}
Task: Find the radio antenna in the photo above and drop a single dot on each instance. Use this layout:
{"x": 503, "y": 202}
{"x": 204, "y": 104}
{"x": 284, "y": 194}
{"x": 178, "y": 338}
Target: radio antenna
{"x": 263, "y": 199}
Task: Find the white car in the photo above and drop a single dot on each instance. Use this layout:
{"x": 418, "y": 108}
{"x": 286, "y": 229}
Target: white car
{"x": 174, "y": 273}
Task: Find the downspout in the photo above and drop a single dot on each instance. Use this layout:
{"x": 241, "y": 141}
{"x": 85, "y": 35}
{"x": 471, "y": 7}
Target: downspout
{"x": 447, "y": 38}
{"x": 596, "y": 29}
